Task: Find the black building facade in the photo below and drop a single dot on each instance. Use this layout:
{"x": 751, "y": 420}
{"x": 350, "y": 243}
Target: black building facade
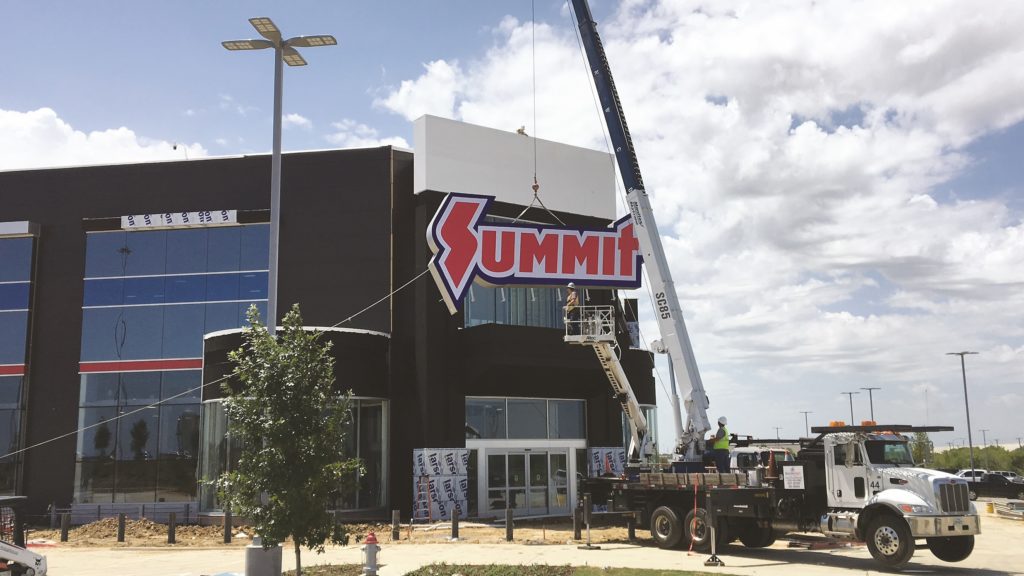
{"x": 99, "y": 320}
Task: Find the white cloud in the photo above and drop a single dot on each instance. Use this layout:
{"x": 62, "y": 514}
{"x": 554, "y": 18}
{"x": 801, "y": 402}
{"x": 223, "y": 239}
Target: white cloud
{"x": 39, "y": 138}
{"x": 297, "y": 121}
{"x": 228, "y": 102}
{"x": 799, "y": 156}
{"x": 351, "y": 134}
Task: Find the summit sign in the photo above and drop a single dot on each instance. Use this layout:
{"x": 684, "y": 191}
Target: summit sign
{"x": 467, "y": 249}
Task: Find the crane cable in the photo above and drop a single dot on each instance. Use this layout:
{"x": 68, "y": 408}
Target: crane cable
{"x": 533, "y": 62}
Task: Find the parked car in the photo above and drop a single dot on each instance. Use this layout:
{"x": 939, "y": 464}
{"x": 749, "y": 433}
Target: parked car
{"x": 996, "y": 486}
{"x": 972, "y": 475}
{"x": 1012, "y": 476}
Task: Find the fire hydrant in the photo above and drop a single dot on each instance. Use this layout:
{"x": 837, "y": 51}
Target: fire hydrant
{"x": 370, "y": 550}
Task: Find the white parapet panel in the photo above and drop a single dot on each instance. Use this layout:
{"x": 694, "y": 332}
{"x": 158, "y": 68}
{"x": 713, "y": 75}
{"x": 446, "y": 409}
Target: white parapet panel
{"x": 16, "y": 229}
{"x": 458, "y": 157}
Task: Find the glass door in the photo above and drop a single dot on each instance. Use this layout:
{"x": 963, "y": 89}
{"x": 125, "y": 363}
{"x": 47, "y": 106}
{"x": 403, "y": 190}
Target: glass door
{"x": 559, "y": 474}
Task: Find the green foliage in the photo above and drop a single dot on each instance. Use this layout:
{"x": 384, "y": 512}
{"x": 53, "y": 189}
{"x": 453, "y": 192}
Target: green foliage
{"x": 921, "y": 447}
{"x": 292, "y": 426}
{"x": 988, "y": 458}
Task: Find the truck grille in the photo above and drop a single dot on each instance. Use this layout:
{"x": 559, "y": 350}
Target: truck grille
{"x": 953, "y": 497}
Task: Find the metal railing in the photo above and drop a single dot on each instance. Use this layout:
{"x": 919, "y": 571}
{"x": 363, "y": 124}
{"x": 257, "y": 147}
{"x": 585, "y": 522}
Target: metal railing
{"x": 590, "y": 324}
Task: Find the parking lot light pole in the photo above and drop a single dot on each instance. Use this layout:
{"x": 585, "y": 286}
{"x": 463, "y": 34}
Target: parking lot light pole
{"x": 807, "y": 428}
{"x": 284, "y": 53}
{"x": 850, "y": 394}
{"x": 871, "y": 399}
{"x": 984, "y": 445}
{"x": 967, "y": 407}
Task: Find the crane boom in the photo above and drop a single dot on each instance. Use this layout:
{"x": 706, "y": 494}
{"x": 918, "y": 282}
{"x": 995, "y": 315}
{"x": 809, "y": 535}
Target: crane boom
{"x": 666, "y": 303}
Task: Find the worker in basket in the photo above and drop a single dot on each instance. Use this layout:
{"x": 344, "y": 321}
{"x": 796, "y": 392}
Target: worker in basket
{"x": 572, "y": 309}
{"x": 721, "y": 446}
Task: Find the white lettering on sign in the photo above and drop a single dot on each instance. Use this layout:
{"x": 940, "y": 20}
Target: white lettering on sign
{"x": 793, "y": 477}
{"x": 180, "y": 219}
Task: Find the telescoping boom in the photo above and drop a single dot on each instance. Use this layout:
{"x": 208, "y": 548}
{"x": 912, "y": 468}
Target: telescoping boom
{"x": 667, "y": 310}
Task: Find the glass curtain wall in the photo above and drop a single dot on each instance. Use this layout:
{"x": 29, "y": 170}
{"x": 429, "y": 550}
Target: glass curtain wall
{"x": 525, "y": 418}
{"x": 16, "y": 257}
{"x": 366, "y": 439}
{"x": 541, "y": 307}
{"x": 149, "y": 298}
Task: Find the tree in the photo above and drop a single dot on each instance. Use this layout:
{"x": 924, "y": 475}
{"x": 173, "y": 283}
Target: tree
{"x": 292, "y": 426}
{"x": 921, "y": 448}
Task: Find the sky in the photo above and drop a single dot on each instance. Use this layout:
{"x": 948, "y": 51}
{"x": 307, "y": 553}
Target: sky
{"x": 838, "y": 184}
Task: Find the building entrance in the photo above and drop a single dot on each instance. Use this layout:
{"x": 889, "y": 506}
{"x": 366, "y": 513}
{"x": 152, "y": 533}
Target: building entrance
{"x": 530, "y": 482}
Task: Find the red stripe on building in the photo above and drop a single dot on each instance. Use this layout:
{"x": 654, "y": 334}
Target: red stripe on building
{"x": 141, "y": 365}
{"x": 12, "y": 369}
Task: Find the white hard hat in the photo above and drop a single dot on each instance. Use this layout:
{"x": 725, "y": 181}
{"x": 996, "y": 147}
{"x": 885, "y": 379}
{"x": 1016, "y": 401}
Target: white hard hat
{"x": 571, "y": 285}
{"x": 722, "y": 420}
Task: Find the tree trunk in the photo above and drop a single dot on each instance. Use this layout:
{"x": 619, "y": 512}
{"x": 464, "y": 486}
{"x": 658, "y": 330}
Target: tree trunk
{"x": 298, "y": 560}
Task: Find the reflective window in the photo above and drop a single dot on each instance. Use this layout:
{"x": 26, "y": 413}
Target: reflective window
{"x": 10, "y": 391}
{"x": 539, "y": 306}
{"x": 13, "y": 334}
{"x": 152, "y": 295}
{"x": 15, "y": 294}
{"x": 524, "y": 418}
{"x": 527, "y": 418}
{"x": 10, "y": 427}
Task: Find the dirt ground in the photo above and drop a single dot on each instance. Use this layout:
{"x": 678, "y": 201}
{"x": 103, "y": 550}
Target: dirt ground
{"x": 147, "y": 533}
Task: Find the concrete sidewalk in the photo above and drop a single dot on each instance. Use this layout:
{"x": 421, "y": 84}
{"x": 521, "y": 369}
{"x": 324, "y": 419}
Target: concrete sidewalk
{"x": 998, "y": 551}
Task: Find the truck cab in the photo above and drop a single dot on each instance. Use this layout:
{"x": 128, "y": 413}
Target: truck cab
{"x": 876, "y": 493}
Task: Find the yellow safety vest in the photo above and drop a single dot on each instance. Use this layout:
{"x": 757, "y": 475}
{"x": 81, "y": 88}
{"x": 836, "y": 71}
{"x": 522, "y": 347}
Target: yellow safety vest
{"x": 723, "y": 442}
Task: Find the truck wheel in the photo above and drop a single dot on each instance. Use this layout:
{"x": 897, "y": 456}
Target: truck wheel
{"x": 697, "y": 530}
{"x": 889, "y": 540}
{"x": 952, "y": 549}
{"x": 754, "y": 536}
{"x": 666, "y": 529}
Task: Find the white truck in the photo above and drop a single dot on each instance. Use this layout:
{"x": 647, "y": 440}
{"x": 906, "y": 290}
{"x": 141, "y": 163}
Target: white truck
{"x": 856, "y": 482}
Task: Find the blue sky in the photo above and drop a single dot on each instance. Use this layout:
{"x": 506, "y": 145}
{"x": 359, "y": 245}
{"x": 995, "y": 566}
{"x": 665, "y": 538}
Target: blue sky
{"x": 839, "y": 189}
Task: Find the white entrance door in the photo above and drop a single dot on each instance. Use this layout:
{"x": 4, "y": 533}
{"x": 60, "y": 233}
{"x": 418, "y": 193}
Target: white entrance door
{"x": 531, "y": 483}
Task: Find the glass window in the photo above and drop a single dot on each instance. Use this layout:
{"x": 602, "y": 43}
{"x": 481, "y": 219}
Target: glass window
{"x": 140, "y": 387}
{"x": 104, "y": 292}
{"x": 190, "y": 288}
{"x": 103, "y": 333}
{"x": 527, "y": 418}
{"x": 101, "y": 389}
{"x": 255, "y": 247}
{"x": 222, "y": 287}
{"x": 146, "y": 290}
{"x": 16, "y": 259}
{"x": 105, "y": 254}
{"x": 485, "y": 418}
{"x": 10, "y": 425}
{"x": 253, "y": 286}
{"x": 221, "y": 317}
{"x": 531, "y": 306}
{"x": 13, "y": 334}
{"x": 142, "y": 332}
{"x": 14, "y": 296}
{"x": 566, "y": 419}
{"x": 99, "y": 439}
{"x": 182, "y": 381}
{"x": 10, "y": 391}
{"x": 371, "y": 451}
{"x": 186, "y": 251}
{"x": 183, "y": 331}
{"x": 147, "y": 253}
{"x": 222, "y": 251}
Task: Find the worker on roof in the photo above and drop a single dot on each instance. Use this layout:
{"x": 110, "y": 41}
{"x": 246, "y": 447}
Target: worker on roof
{"x": 572, "y": 310}
{"x": 721, "y": 445}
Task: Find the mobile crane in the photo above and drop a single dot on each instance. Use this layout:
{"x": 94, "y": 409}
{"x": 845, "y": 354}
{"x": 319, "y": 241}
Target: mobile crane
{"x": 852, "y": 482}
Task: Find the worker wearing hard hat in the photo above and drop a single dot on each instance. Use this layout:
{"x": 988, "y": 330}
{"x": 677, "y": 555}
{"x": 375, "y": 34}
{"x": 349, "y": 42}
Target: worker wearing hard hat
{"x": 572, "y": 309}
{"x": 720, "y": 446}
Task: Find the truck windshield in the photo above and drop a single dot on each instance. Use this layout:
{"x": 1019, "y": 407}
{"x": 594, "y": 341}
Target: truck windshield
{"x": 882, "y": 452}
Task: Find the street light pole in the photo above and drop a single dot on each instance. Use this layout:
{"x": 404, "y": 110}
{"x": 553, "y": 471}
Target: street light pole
{"x": 984, "y": 444}
{"x": 807, "y": 428}
{"x": 284, "y": 53}
{"x": 871, "y": 400}
{"x": 777, "y": 428}
{"x": 967, "y": 407}
{"x": 850, "y": 394}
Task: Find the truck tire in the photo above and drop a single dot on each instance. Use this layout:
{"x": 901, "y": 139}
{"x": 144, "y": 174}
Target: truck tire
{"x": 889, "y": 540}
{"x": 697, "y": 531}
{"x": 666, "y": 528}
{"x": 754, "y": 536}
{"x": 952, "y": 549}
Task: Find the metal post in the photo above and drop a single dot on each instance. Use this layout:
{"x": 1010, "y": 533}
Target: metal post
{"x": 396, "y": 525}
{"x": 967, "y": 406}
{"x": 588, "y": 511}
{"x": 709, "y": 516}
{"x": 120, "y": 527}
{"x": 172, "y": 523}
{"x": 275, "y": 192}
{"x": 631, "y": 527}
{"x": 807, "y": 428}
{"x": 577, "y": 522}
{"x": 984, "y": 447}
{"x": 227, "y": 525}
{"x": 871, "y": 399}
{"x": 508, "y": 524}
{"x": 53, "y": 516}
{"x": 65, "y": 523}
{"x": 850, "y": 394}
{"x": 455, "y": 524}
